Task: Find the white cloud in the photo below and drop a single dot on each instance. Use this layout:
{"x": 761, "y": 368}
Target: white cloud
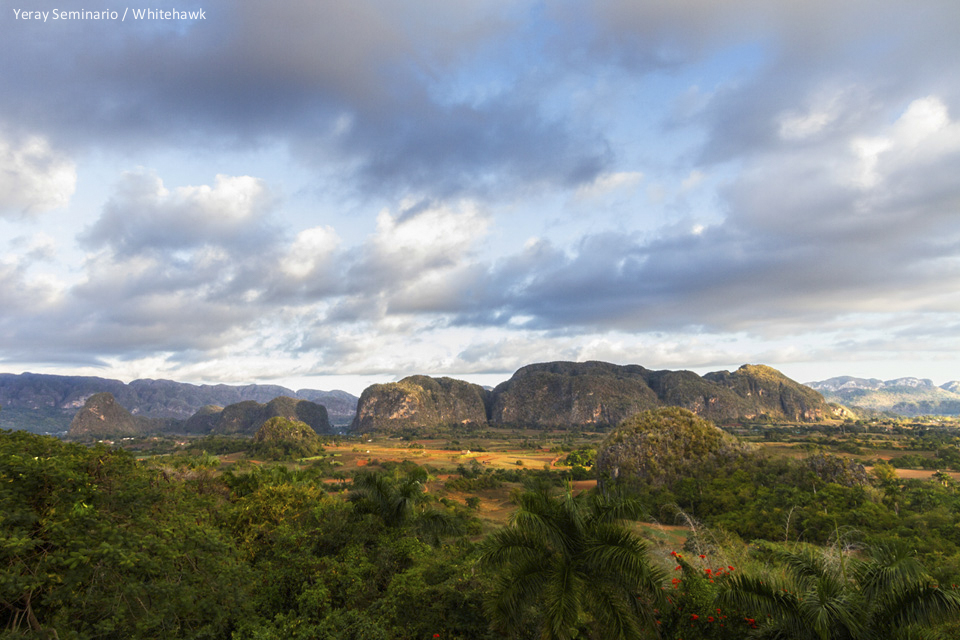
{"x": 311, "y": 249}
{"x": 145, "y": 215}
{"x": 923, "y": 135}
{"x": 34, "y": 178}
{"x": 610, "y": 182}
{"x": 438, "y": 234}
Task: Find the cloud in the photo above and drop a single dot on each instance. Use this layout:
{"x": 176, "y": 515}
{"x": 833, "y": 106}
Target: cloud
{"x": 34, "y": 178}
{"x": 365, "y": 88}
{"x": 312, "y": 249}
{"x": 144, "y": 215}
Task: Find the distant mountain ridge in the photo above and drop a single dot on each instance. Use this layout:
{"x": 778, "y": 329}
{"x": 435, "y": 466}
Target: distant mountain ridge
{"x": 906, "y": 396}
{"x": 103, "y": 417}
{"x": 41, "y": 402}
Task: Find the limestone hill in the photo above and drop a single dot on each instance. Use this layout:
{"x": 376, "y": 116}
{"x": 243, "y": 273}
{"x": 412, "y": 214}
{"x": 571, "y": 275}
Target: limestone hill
{"x": 596, "y": 395}
{"x": 657, "y": 448}
{"x": 419, "y": 401}
{"x": 566, "y": 394}
{"x": 282, "y": 438}
{"x": 103, "y": 417}
{"x": 245, "y": 418}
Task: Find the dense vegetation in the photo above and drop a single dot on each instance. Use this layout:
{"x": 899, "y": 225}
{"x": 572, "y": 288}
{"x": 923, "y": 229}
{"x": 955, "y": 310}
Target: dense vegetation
{"x": 96, "y": 544}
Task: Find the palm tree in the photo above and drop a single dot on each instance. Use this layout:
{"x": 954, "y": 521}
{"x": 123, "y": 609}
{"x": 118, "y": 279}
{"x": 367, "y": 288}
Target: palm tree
{"x": 399, "y": 499}
{"x": 572, "y": 564}
{"x": 824, "y": 595}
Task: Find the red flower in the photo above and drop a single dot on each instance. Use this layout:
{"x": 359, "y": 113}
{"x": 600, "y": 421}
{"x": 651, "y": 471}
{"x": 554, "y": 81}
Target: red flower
{"x": 709, "y": 618}
{"x": 436, "y": 635}
{"x": 730, "y": 566}
{"x": 678, "y": 568}
{"x": 694, "y": 616}
{"x": 709, "y": 571}
{"x": 702, "y": 556}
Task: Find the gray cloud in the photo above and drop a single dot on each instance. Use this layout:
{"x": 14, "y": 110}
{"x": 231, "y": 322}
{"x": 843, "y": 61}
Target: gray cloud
{"x": 357, "y": 83}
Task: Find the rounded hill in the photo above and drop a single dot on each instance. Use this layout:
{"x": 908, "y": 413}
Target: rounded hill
{"x": 659, "y": 447}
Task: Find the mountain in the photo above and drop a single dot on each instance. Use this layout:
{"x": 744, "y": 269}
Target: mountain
{"x": 47, "y": 403}
{"x": 766, "y": 391}
{"x": 245, "y": 418}
{"x": 419, "y": 401}
{"x": 588, "y": 395}
{"x": 568, "y": 394}
{"x": 904, "y": 396}
{"x": 102, "y": 416}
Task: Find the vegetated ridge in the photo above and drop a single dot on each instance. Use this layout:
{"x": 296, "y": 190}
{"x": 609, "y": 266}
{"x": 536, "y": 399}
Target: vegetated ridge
{"x": 103, "y": 417}
{"x": 282, "y": 438}
{"x": 47, "y": 403}
{"x": 903, "y": 396}
{"x": 588, "y": 395}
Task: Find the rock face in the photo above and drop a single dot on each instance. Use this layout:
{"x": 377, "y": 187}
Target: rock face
{"x": 419, "y": 401}
{"x": 245, "y": 418}
{"x": 203, "y": 421}
{"x": 599, "y": 394}
{"x": 571, "y": 394}
{"x": 102, "y": 417}
{"x": 593, "y": 395}
{"x": 657, "y": 448}
{"x": 766, "y": 391}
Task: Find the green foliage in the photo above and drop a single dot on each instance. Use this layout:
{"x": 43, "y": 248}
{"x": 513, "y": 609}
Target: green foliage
{"x": 95, "y": 546}
{"x": 585, "y": 457}
{"x": 281, "y": 438}
{"x": 659, "y": 447}
{"x": 824, "y": 594}
{"x": 571, "y": 564}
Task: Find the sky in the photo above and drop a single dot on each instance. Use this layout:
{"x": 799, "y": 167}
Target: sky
{"x": 330, "y": 194}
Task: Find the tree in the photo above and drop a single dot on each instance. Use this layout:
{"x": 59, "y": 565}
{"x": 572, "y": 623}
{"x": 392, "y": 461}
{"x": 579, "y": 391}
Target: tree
{"x": 825, "y": 595}
{"x": 571, "y": 564}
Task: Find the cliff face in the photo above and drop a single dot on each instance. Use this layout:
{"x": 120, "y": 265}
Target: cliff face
{"x": 419, "y": 401}
{"x": 245, "y": 418}
{"x": 103, "y": 417}
{"x": 595, "y": 395}
{"x": 569, "y": 394}
{"x": 598, "y": 394}
{"x": 766, "y": 391}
